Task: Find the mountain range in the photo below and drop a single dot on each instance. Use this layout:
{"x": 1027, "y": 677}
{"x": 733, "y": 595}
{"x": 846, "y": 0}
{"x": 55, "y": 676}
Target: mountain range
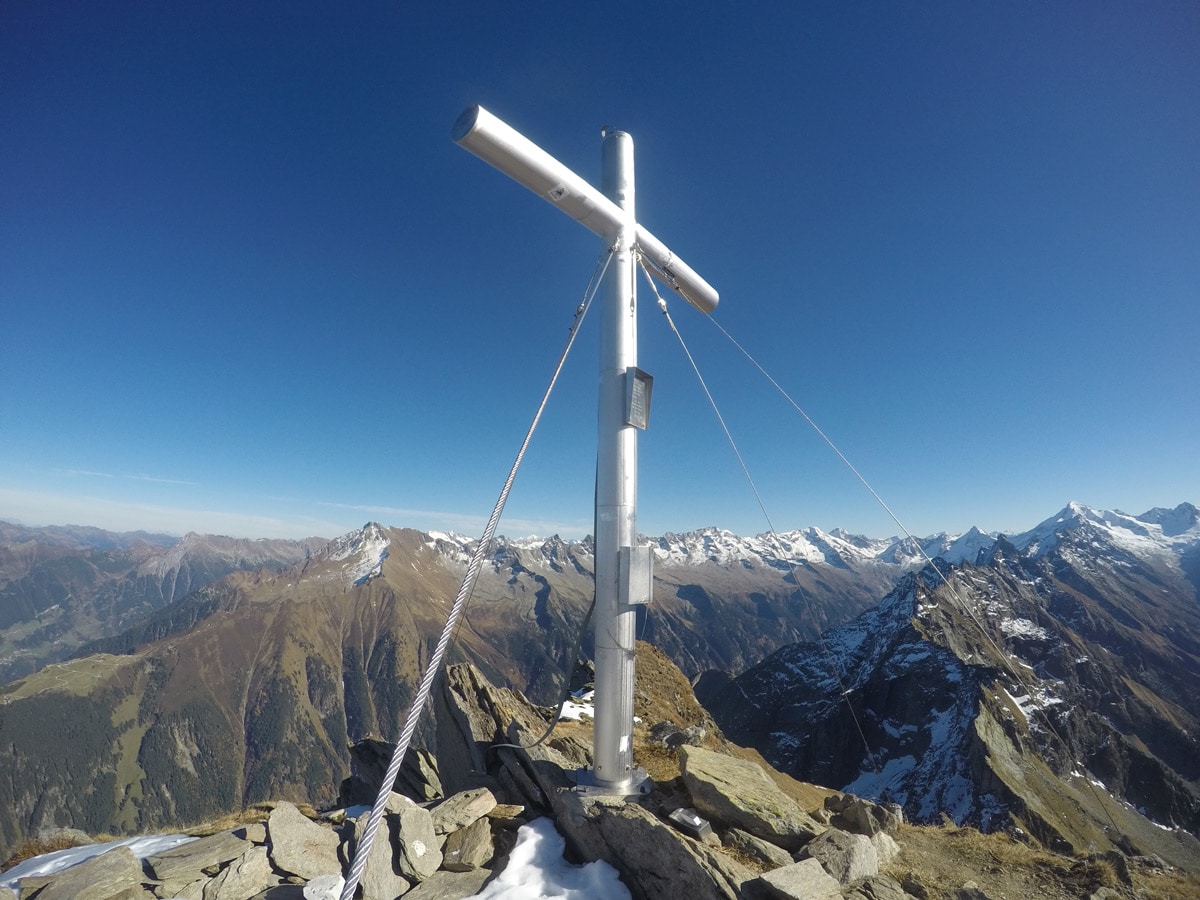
{"x": 1049, "y": 685}
{"x": 253, "y": 684}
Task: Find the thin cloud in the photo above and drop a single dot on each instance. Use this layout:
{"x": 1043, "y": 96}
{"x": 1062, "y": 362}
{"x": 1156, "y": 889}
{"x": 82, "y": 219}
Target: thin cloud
{"x": 158, "y": 480}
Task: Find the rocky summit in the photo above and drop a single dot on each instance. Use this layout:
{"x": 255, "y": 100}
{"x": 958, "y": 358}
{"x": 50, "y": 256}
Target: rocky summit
{"x": 1027, "y": 694}
{"x": 713, "y": 824}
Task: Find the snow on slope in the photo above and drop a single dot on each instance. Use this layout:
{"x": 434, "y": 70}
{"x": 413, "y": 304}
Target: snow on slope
{"x": 366, "y": 549}
{"x": 1157, "y": 532}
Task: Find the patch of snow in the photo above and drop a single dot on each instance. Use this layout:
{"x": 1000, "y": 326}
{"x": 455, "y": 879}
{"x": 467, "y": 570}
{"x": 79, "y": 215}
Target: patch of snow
{"x": 1023, "y": 628}
{"x": 53, "y": 863}
{"x": 536, "y": 869}
{"x": 366, "y": 548}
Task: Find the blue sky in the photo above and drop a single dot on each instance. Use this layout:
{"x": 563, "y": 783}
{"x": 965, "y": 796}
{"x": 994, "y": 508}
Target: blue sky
{"x": 248, "y": 285}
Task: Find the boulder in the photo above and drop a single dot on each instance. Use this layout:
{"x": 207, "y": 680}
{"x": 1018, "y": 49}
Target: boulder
{"x": 381, "y": 876}
{"x": 472, "y": 715}
{"x": 653, "y": 859}
{"x": 462, "y": 809}
{"x": 737, "y": 793}
{"x": 878, "y": 888}
{"x": 324, "y": 887}
{"x": 469, "y": 848}
{"x": 180, "y": 867}
{"x": 858, "y": 816}
{"x": 243, "y": 877}
{"x": 763, "y": 852}
{"x": 886, "y": 847}
{"x": 300, "y": 846}
{"x": 114, "y": 875}
{"x": 804, "y": 880}
{"x": 672, "y": 737}
{"x": 845, "y": 856}
{"x": 417, "y": 779}
{"x": 418, "y": 847}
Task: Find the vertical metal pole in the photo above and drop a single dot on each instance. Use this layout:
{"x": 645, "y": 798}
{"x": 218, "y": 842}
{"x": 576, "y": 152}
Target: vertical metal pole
{"x": 616, "y": 484}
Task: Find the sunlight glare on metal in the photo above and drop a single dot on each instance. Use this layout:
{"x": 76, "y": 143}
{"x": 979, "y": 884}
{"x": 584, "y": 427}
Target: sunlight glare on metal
{"x": 504, "y": 148}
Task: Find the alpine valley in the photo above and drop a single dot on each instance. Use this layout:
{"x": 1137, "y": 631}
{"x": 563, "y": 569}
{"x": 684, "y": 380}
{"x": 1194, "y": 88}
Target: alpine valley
{"x": 1043, "y": 682}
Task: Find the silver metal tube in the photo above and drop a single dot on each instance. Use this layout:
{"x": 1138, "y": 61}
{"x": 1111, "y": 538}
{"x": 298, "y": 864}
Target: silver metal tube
{"x": 503, "y": 147}
{"x": 616, "y": 485}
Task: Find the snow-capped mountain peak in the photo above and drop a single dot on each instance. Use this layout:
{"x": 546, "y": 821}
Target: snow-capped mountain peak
{"x": 364, "y": 549}
{"x": 1159, "y": 530}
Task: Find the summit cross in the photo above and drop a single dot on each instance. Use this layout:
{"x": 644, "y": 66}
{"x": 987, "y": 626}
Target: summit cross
{"x": 623, "y": 568}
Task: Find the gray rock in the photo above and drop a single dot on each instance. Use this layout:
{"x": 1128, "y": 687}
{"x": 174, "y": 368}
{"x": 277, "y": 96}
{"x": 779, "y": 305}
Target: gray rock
{"x": 858, "y": 816}
{"x": 381, "y": 876}
{"x": 653, "y": 859}
{"x": 970, "y": 891}
{"x": 846, "y": 857}
{"x": 418, "y": 847}
{"x": 469, "y": 848}
{"x": 737, "y": 793}
{"x": 299, "y": 846}
{"x": 114, "y": 875}
{"x": 763, "y": 852}
{"x": 450, "y": 885}
{"x": 180, "y": 867}
{"x": 369, "y": 761}
{"x": 243, "y": 877}
{"x": 462, "y": 809}
{"x": 886, "y": 847}
{"x": 254, "y": 832}
{"x": 283, "y": 892}
{"x": 805, "y": 880}
{"x": 324, "y": 887}
{"x": 471, "y": 715}
{"x": 7, "y": 894}
{"x": 878, "y": 888}
{"x": 913, "y": 885}
{"x": 672, "y": 737}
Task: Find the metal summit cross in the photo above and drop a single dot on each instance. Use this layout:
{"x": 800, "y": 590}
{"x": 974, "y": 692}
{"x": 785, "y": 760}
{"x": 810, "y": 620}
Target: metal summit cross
{"x": 623, "y": 569}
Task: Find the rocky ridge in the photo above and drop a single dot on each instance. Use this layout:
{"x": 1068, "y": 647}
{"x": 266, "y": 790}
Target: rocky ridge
{"x": 714, "y": 825}
{"x": 63, "y": 587}
{"x": 1045, "y": 689}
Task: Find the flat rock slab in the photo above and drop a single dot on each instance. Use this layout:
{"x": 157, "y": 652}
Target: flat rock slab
{"x": 737, "y": 793}
{"x": 450, "y": 885}
{"x": 805, "y": 880}
{"x": 462, "y": 809}
{"x": 180, "y": 866}
{"x": 301, "y": 847}
{"x": 115, "y": 875}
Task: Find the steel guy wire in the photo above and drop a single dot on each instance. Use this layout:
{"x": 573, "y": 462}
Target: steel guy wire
{"x": 363, "y": 850}
{"x": 1000, "y": 652}
{"x": 662, "y": 305}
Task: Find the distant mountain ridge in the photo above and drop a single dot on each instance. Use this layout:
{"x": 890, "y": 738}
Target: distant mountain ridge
{"x": 252, "y": 686}
{"x": 63, "y": 586}
{"x": 1050, "y": 686}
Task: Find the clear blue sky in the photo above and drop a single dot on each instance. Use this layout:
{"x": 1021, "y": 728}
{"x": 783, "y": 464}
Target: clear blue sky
{"x": 248, "y": 285}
